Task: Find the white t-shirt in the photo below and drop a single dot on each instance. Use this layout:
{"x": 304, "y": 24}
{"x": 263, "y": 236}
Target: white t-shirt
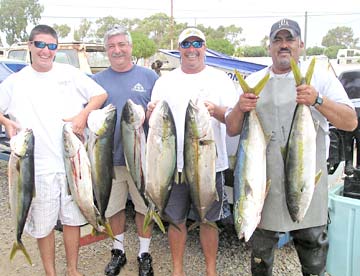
{"x": 41, "y": 101}
{"x": 213, "y": 85}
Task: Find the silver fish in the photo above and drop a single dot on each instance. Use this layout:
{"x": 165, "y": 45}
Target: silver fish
{"x": 160, "y": 158}
{"x": 101, "y": 124}
{"x": 21, "y": 184}
{"x": 199, "y": 157}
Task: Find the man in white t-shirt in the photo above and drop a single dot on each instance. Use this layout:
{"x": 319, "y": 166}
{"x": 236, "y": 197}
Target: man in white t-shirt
{"x": 42, "y": 97}
{"x": 194, "y": 79}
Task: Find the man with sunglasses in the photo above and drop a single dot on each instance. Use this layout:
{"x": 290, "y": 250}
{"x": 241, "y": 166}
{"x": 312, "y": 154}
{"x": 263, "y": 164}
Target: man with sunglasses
{"x": 275, "y": 107}
{"x": 192, "y": 80}
{"x": 42, "y": 97}
{"x": 124, "y": 80}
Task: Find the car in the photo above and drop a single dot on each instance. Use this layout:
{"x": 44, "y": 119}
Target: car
{"x": 7, "y": 67}
{"x": 88, "y": 57}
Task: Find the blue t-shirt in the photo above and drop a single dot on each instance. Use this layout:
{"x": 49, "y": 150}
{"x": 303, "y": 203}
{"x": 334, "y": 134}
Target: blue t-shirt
{"x": 135, "y": 84}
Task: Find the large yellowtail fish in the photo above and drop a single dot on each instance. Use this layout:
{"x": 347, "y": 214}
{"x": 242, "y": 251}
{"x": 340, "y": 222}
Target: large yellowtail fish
{"x": 199, "y": 157}
{"x": 101, "y": 124}
{"x": 78, "y": 174}
{"x": 161, "y": 169}
{"x": 250, "y": 182}
{"x": 134, "y": 142}
{"x": 300, "y": 162}
{"x": 21, "y": 184}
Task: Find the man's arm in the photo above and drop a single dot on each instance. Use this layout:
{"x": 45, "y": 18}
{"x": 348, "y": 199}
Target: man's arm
{"x": 79, "y": 121}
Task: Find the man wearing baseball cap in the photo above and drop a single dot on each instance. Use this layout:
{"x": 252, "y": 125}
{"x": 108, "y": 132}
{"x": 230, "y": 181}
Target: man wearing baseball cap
{"x": 195, "y": 80}
{"x": 328, "y": 102}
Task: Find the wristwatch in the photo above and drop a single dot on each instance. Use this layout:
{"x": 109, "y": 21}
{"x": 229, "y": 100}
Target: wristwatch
{"x": 319, "y": 100}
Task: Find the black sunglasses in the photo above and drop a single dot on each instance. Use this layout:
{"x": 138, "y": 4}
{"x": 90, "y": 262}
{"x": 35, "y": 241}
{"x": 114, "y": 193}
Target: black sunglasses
{"x": 195, "y": 44}
{"x": 42, "y": 45}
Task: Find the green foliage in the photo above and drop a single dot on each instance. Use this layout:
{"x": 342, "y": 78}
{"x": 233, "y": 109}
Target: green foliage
{"x": 16, "y": 15}
{"x": 340, "y": 36}
{"x": 62, "y": 30}
{"x": 251, "y": 51}
{"x": 143, "y": 47}
{"x": 221, "y": 45}
{"x": 104, "y": 24}
{"x": 83, "y": 31}
{"x": 315, "y": 51}
{"x": 331, "y": 51}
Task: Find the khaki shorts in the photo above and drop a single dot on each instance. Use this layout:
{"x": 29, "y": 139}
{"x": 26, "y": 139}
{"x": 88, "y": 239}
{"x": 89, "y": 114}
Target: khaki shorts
{"x": 52, "y": 201}
{"x": 122, "y": 186}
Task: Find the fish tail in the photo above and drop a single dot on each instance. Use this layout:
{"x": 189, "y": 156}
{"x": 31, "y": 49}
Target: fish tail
{"x": 18, "y": 245}
{"x": 158, "y": 221}
{"x": 147, "y": 220}
{"x": 109, "y": 231}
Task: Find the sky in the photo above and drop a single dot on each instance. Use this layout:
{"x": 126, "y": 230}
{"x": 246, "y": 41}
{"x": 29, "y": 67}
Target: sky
{"x": 254, "y": 17}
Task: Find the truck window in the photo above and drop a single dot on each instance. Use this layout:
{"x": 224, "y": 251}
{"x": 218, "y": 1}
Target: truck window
{"x": 68, "y": 56}
{"x": 17, "y": 54}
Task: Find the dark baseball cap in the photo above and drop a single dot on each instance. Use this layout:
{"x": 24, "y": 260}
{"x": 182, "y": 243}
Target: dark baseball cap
{"x": 285, "y": 24}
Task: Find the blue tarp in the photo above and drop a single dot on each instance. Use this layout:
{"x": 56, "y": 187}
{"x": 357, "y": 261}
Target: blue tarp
{"x": 8, "y": 67}
{"x": 222, "y": 61}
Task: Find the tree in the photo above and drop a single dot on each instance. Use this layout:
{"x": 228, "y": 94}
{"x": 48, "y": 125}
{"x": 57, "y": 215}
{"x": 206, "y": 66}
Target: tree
{"x": 104, "y": 24}
{"x": 157, "y": 27}
{"x": 331, "y": 52}
{"x": 315, "y": 51}
{"x": 62, "y": 30}
{"x": 83, "y": 31}
{"x": 340, "y": 36}
{"x": 221, "y": 45}
{"x": 252, "y": 51}
{"x": 16, "y": 15}
{"x": 143, "y": 47}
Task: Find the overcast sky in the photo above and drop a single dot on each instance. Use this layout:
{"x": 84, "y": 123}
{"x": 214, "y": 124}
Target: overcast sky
{"x": 255, "y": 17}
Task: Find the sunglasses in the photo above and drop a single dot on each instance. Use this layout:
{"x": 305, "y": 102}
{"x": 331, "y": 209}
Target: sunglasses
{"x": 42, "y": 45}
{"x": 195, "y": 44}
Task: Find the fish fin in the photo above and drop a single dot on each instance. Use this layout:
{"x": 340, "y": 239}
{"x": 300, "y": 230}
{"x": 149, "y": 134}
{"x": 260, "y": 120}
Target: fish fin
{"x": 318, "y": 176}
{"x": 147, "y": 220}
{"x": 267, "y": 189}
{"x": 206, "y": 142}
{"x": 310, "y": 71}
{"x": 283, "y": 152}
{"x": 248, "y": 189}
{"x": 176, "y": 177}
{"x": 316, "y": 125}
{"x": 18, "y": 245}
{"x": 183, "y": 177}
{"x": 244, "y": 86}
{"x": 109, "y": 231}
{"x": 296, "y": 71}
{"x": 194, "y": 225}
{"x": 34, "y": 192}
{"x": 259, "y": 87}
{"x": 158, "y": 221}
{"x": 212, "y": 224}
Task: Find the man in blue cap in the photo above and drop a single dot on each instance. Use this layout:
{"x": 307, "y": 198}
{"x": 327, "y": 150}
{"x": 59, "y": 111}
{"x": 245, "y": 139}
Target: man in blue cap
{"x": 275, "y": 107}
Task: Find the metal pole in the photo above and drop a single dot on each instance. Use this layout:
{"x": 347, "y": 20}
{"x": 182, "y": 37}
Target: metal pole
{"x": 172, "y": 27}
{"x": 305, "y": 34}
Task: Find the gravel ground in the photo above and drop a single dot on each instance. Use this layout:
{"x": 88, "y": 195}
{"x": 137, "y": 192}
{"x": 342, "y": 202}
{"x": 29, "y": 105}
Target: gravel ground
{"x": 233, "y": 255}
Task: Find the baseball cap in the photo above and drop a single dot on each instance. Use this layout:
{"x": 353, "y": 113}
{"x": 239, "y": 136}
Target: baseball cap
{"x": 189, "y": 32}
{"x": 285, "y": 24}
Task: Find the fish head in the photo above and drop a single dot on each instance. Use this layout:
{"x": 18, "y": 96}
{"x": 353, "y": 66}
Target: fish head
{"x": 71, "y": 141}
{"x": 100, "y": 120}
{"x": 162, "y": 120}
{"x": 22, "y": 142}
{"x": 199, "y": 117}
{"x": 133, "y": 114}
